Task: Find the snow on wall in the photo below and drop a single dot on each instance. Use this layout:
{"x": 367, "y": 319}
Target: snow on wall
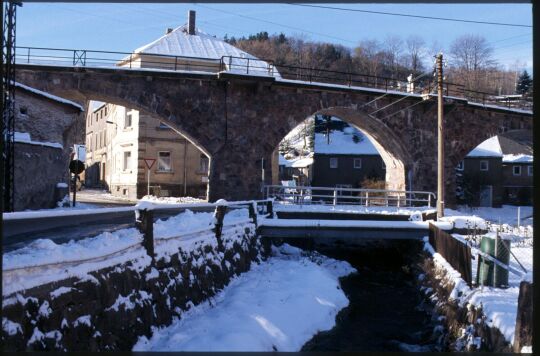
{"x": 49, "y": 96}
{"x": 126, "y": 295}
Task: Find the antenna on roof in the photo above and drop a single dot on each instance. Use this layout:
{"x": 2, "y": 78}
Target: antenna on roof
{"x": 191, "y": 22}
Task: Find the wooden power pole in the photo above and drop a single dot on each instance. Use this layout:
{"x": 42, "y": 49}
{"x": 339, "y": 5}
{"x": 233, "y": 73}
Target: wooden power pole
{"x": 440, "y": 138}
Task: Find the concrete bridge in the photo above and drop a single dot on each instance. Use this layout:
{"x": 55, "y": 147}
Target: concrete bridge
{"x": 238, "y": 120}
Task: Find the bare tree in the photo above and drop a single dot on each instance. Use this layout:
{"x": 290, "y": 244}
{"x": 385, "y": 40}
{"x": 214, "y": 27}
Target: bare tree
{"x": 415, "y": 52}
{"x": 471, "y": 56}
{"x": 393, "y": 48}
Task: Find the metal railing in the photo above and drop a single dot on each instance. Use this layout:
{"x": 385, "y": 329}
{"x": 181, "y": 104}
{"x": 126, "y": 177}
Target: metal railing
{"x": 250, "y": 66}
{"x": 348, "y": 196}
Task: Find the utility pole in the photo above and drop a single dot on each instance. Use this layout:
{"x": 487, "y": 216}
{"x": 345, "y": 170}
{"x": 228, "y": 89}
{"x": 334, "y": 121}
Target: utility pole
{"x": 440, "y": 138}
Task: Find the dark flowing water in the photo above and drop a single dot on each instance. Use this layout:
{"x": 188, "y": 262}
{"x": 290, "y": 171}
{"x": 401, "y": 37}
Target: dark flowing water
{"x": 387, "y": 311}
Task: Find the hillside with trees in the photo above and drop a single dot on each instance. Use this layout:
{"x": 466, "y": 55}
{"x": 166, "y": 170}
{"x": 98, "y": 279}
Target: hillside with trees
{"x": 469, "y": 60}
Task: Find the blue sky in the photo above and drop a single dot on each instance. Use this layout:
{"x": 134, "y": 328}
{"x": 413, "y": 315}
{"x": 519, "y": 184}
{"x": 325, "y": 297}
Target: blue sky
{"x": 124, "y": 27}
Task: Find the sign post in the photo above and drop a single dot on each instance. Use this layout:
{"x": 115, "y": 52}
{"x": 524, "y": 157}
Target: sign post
{"x": 149, "y": 162}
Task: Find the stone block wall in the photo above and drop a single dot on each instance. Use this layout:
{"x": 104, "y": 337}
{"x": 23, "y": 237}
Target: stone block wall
{"x": 37, "y": 171}
{"x": 110, "y": 308}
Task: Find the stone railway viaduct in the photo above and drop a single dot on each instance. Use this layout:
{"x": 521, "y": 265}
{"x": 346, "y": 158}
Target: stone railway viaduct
{"x": 238, "y": 120}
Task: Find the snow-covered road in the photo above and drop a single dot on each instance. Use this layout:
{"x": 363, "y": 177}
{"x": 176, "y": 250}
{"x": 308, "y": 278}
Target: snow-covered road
{"x": 276, "y": 306}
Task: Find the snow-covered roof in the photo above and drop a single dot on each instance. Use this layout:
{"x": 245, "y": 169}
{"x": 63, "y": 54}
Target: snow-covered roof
{"x": 24, "y": 137}
{"x": 489, "y": 148}
{"x": 519, "y": 158}
{"x": 49, "y": 96}
{"x": 343, "y": 142}
{"x": 201, "y": 45}
{"x": 299, "y": 162}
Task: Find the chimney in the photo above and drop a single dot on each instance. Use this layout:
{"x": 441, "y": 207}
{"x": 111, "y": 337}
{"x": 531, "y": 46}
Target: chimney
{"x": 191, "y": 22}
{"x": 169, "y": 30}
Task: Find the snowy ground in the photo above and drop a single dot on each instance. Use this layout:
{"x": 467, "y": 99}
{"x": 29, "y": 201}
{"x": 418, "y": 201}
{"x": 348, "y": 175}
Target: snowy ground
{"x": 276, "y": 306}
{"x": 507, "y": 214}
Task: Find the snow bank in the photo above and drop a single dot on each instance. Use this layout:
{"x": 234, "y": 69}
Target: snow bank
{"x": 466, "y": 222}
{"x": 276, "y": 306}
{"x": 171, "y": 200}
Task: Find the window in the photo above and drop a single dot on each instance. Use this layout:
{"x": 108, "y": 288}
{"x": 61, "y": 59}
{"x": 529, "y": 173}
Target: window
{"x": 105, "y": 110}
{"x": 357, "y": 163}
{"x": 23, "y": 110}
{"x": 127, "y": 160}
{"x": 460, "y": 166}
{"x": 484, "y": 165}
{"x": 203, "y": 164}
{"x": 530, "y": 170}
{"x": 128, "y": 120}
{"x": 333, "y": 162}
{"x": 164, "y": 162}
{"x": 516, "y": 170}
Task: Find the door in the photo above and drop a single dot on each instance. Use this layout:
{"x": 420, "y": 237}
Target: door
{"x": 486, "y": 195}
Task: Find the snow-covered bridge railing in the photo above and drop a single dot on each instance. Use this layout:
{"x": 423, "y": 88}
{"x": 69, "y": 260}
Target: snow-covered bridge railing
{"x": 21, "y": 228}
{"x": 351, "y": 196}
{"x": 424, "y": 84}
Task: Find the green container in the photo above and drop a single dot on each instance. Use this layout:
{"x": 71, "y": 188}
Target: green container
{"x": 489, "y": 273}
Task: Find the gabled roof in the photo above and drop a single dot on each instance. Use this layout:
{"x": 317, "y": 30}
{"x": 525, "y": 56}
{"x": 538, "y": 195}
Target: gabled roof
{"x": 344, "y": 142}
{"x": 201, "y": 45}
{"x": 489, "y": 148}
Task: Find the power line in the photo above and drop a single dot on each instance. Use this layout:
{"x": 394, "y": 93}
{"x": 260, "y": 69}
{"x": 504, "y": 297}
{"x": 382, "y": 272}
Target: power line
{"x": 277, "y": 24}
{"x": 415, "y": 16}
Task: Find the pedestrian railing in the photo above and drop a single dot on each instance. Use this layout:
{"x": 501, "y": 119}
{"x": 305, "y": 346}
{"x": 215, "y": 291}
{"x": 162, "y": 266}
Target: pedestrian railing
{"x": 254, "y": 67}
{"x": 302, "y": 195}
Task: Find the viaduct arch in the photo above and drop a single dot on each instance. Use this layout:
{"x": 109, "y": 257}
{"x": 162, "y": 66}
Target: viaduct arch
{"x": 239, "y": 120}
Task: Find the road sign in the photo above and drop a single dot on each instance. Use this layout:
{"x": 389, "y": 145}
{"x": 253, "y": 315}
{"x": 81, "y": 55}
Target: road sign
{"x": 149, "y": 162}
{"x": 76, "y": 166}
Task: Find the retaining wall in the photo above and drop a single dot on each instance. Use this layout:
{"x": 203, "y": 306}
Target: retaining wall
{"x": 109, "y": 308}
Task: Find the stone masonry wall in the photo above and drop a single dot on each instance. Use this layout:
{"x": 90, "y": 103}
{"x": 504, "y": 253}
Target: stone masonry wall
{"x": 37, "y": 171}
{"x": 111, "y": 308}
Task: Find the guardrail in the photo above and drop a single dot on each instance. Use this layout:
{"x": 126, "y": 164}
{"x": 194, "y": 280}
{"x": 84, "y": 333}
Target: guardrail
{"x": 348, "y": 196}
{"x": 251, "y": 66}
{"x": 21, "y": 228}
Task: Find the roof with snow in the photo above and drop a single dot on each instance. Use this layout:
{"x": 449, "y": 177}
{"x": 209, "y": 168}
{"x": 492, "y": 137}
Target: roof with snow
{"x": 298, "y": 162}
{"x": 344, "y": 142}
{"x": 201, "y": 45}
{"x": 49, "y": 96}
{"x": 489, "y": 148}
{"x": 519, "y": 158}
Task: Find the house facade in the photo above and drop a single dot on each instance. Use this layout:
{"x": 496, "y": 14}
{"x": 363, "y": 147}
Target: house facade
{"x": 496, "y": 172}
{"x": 119, "y": 139}
{"x": 344, "y": 157}
{"x": 46, "y": 129}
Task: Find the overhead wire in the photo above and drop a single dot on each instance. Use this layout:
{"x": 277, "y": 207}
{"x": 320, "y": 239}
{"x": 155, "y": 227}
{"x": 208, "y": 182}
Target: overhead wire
{"x": 411, "y": 15}
{"x": 276, "y": 24}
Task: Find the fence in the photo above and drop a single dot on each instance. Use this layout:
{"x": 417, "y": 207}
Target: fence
{"x": 252, "y": 66}
{"x": 351, "y": 196}
{"x": 454, "y": 251}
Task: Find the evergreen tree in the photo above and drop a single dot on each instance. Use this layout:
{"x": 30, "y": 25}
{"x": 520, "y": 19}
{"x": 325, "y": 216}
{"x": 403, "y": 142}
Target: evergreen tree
{"x": 524, "y": 83}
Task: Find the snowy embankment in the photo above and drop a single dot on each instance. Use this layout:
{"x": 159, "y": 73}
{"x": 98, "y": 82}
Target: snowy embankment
{"x": 278, "y": 305}
{"x": 497, "y": 304}
{"x": 171, "y": 200}
{"x": 44, "y": 261}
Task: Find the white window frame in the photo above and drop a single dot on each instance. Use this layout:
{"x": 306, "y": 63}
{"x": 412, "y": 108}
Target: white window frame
{"x": 514, "y": 170}
{"x": 487, "y": 165}
{"x": 161, "y": 169}
{"x": 461, "y": 165}
{"x": 530, "y": 171}
{"x": 126, "y": 164}
{"x": 355, "y": 160}
{"x": 333, "y": 162}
